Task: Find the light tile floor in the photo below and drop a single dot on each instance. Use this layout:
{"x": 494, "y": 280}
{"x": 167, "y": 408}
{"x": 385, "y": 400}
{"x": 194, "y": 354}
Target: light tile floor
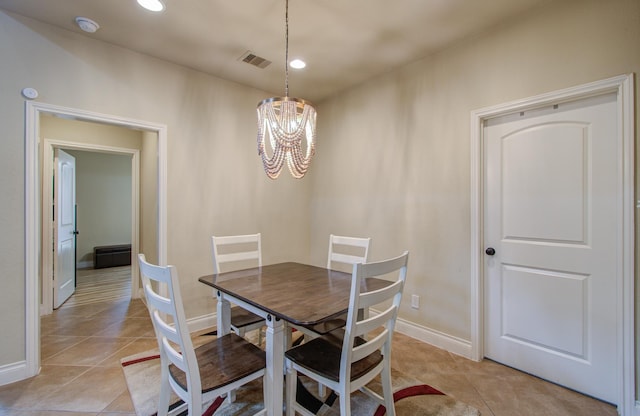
{"x": 81, "y": 375}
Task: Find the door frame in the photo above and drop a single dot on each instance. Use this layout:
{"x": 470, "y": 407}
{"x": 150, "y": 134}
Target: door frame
{"x": 623, "y": 86}
{"x": 46, "y": 306}
{"x": 33, "y": 244}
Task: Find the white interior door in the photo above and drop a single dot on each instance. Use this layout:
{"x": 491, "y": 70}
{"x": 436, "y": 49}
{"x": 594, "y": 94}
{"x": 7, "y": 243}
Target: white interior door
{"x": 552, "y": 204}
{"x": 64, "y": 224}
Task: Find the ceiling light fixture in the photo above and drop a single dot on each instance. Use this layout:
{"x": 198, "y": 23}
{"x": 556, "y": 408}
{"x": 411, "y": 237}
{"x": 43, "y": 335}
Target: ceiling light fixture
{"x": 86, "y": 24}
{"x": 286, "y": 121}
{"x": 153, "y": 5}
{"x": 297, "y": 64}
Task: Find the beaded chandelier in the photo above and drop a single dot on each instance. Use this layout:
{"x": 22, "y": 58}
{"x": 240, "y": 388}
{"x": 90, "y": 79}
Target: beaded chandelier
{"x": 288, "y": 125}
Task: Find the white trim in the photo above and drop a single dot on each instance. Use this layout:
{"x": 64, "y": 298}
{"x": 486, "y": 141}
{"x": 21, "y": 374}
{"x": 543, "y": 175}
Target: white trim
{"x": 33, "y": 110}
{"x": 32, "y": 241}
{"x": 47, "y": 255}
{"x": 627, "y": 289}
{"x": 140, "y": 291}
{"x": 135, "y": 219}
{"x": 433, "y": 337}
{"x": 13, "y": 372}
{"x": 623, "y": 86}
{"x": 198, "y": 323}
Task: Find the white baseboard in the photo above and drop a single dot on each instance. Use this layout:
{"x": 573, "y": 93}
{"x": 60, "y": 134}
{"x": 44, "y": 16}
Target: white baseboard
{"x": 436, "y": 338}
{"x": 199, "y": 323}
{"x": 84, "y": 265}
{"x": 10, "y": 373}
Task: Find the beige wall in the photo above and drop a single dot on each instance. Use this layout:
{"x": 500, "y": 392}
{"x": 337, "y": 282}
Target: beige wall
{"x": 215, "y": 180}
{"x": 392, "y": 157}
{"x": 393, "y": 153}
{"x": 89, "y": 133}
{"x": 103, "y": 199}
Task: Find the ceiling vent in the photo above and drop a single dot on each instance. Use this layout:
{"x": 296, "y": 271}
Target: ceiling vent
{"x": 253, "y": 59}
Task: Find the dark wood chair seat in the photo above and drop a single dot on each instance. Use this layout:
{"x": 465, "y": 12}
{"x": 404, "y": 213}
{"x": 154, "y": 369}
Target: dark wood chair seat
{"x": 242, "y": 318}
{"x": 223, "y": 361}
{"x": 322, "y": 355}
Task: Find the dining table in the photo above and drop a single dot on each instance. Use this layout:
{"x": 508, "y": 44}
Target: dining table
{"x": 296, "y": 293}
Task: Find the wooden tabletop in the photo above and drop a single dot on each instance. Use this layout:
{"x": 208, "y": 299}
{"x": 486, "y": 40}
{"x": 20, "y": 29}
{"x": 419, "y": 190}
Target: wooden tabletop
{"x": 298, "y": 293}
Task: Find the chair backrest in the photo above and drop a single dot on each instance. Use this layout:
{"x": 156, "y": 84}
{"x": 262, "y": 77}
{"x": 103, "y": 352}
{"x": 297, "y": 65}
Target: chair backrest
{"x": 169, "y": 322}
{"x": 243, "y": 250}
{"x": 364, "y": 335}
{"x": 347, "y": 251}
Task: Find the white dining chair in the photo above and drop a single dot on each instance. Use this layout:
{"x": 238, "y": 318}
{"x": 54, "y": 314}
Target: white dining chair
{"x": 347, "y": 251}
{"x": 231, "y": 253}
{"x": 197, "y": 376}
{"x": 348, "y": 361}
{"x": 344, "y": 252}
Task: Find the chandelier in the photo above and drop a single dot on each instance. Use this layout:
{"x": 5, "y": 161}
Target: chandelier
{"x": 286, "y": 126}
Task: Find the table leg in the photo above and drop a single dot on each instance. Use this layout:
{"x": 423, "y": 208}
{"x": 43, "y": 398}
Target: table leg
{"x": 275, "y": 366}
{"x": 223, "y": 327}
{"x": 223, "y": 310}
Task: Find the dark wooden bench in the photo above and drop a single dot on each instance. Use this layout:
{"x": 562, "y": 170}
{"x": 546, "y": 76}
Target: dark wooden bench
{"x": 111, "y": 256}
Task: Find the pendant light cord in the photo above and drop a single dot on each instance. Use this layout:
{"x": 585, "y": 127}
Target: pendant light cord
{"x": 286, "y": 49}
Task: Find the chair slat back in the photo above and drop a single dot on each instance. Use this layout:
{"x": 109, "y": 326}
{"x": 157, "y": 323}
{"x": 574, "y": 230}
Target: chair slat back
{"x": 383, "y": 322}
{"x": 169, "y": 321}
{"x": 376, "y": 343}
{"x": 378, "y": 296}
{"x": 347, "y": 250}
{"x": 236, "y": 248}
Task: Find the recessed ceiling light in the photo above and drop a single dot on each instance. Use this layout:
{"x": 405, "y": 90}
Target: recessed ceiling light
{"x": 87, "y": 24}
{"x": 153, "y": 5}
{"x": 297, "y": 64}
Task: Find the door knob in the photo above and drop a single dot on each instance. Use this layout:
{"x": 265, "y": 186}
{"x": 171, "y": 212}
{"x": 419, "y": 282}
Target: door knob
{"x": 490, "y": 251}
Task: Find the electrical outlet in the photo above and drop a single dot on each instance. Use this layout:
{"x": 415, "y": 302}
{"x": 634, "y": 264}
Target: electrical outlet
{"x": 415, "y": 301}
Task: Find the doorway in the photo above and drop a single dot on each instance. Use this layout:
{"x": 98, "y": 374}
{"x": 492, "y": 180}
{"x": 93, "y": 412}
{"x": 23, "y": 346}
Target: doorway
{"x": 622, "y": 202}
{"x": 33, "y": 226}
{"x": 135, "y": 219}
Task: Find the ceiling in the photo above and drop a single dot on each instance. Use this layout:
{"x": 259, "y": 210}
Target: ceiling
{"x": 344, "y": 42}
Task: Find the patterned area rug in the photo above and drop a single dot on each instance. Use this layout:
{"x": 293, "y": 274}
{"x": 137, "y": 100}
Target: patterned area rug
{"x": 412, "y": 397}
